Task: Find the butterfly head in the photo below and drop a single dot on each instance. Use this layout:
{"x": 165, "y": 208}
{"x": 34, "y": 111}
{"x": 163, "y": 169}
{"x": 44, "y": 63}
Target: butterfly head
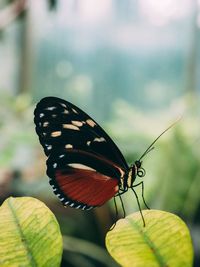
{"x": 139, "y": 171}
{"x": 134, "y": 171}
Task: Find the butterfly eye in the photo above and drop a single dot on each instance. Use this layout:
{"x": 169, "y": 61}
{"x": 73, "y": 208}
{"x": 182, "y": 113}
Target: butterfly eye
{"x": 141, "y": 172}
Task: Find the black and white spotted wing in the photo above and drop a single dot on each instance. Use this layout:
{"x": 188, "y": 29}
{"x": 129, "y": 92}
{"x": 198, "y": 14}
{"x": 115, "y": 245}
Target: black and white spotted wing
{"x": 84, "y": 164}
{"x": 60, "y": 124}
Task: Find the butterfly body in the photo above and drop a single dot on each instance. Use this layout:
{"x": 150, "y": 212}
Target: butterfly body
{"x": 84, "y": 165}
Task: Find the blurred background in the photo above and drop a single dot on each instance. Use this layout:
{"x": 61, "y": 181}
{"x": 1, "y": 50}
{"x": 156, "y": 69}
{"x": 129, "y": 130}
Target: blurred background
{"x": 134, "y": 66}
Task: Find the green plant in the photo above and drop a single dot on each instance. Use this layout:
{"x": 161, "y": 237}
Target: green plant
{"x": 165, "y": 241}
{"x": 29, "y": 234}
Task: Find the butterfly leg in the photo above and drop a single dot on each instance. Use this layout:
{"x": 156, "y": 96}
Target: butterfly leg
{"x": 122, "y": 204}
{"x": 139, "y": 206}
{"x": 116, "y": 215}
{"x": 142, "y": 183}
{"x": 124, "y": 213}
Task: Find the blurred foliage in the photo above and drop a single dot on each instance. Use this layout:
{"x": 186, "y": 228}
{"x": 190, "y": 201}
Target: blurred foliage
{"x": 172, "y": 180}
{"x": 52, "y": 4}
{"x": 93, "y": 254}
{"x": 173, "y": 168}
{"x": 16, "y": 128}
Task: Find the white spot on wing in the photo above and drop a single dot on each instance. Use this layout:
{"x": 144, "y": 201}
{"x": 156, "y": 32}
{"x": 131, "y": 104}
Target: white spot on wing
{"x": 70, "y": 126}
{"x": 41, "y": 115}
{"x": 45, "y": 124}
{"x": 61, "y": 156}
{"x": 56, "y": 133}
{"x": 74, "y": 111}
{"x": 50, "y": 108}
{"x": 80, "y": 166}
{"x": 68, "y": 146}
{"x": 77, "y": 123}
{"x": 90, "y": 122}
{"x": 88, "y": 143}
{"x": 62, "y": 104}
{"x": 55, "y": 165}
{"x": 101, "y": 139}
{"x": 49, "y": 147}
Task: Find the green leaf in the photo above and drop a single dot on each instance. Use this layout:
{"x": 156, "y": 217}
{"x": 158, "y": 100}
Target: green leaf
{"x": 165, "y": 241}
{"x": 29, "y": 234}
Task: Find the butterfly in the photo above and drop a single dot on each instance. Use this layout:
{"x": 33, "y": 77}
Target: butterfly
{"x": 84, "y": 165}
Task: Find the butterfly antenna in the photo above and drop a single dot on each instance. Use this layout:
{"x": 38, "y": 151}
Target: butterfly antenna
{"x": 151, "y": 147}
